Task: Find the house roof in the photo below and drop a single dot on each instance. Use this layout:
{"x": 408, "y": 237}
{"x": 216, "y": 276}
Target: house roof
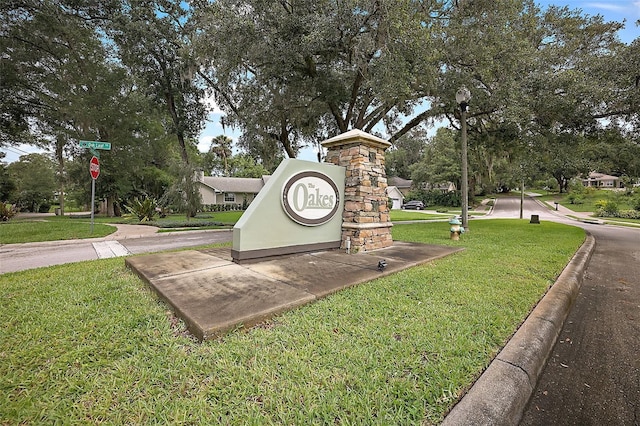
{"x": 601, "y": 176}
{"x": 399, "y": 182}
{"x": 233, "y": 184}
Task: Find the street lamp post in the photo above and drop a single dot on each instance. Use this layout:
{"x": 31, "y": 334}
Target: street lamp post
{"x": 463, "y": 96}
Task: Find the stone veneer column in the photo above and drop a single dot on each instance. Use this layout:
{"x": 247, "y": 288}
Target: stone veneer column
{"x": 365, "y": 219}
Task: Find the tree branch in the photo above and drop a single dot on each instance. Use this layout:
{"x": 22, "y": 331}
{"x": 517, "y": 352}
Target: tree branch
{"x": 219, "y": 91}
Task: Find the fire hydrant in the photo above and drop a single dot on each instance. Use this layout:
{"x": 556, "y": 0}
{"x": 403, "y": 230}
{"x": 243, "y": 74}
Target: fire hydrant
{"x": 456, "y": 228}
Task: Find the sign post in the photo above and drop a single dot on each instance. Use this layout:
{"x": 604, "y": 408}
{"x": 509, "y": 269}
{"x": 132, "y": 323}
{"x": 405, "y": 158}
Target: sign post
{"x": 94, "y": 167}
{"x": 94, "y": 170}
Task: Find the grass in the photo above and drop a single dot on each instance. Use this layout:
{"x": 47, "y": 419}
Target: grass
{"x": 589, "y": 200}
{"x": 34, "y": 231}
{"x": 399, "y": 215}
{"x": 90, "y": 343}
{"x": 230, "y": 217}
{"x": 54, "y": 228}
{"x": 634, "y": 223}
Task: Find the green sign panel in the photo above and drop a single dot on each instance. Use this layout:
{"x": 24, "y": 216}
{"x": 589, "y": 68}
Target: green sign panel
{"x": 95, "y": 145}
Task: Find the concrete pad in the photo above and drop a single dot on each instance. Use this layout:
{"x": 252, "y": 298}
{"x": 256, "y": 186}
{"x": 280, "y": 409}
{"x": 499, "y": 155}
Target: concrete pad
{"x": 164, "y": 264}
{"x": 414, "y": 253}
{"x": 223, "y": 253}
{"x": 212, "y": 294}
{"x": 316, "y": 275}
{"x": 325, "y": 272}
{"x": 214, "y": 301}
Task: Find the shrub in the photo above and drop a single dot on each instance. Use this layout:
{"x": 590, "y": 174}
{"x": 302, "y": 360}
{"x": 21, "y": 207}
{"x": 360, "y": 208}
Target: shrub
{"x": 624, "y": 214}
{"x": 610, "y": 207}
{"x": 635, "y": 203}
{"x": 607, "y": 208}
{"x": 600, "y": 204}
{"x": 437, "y": 198}
{"x": 575, "y": 197}
{"x": 144, "y": 210}
{"x": 7, "y": 211}
{"x": 575, "y": 185}
{"x": 629, "y": 214}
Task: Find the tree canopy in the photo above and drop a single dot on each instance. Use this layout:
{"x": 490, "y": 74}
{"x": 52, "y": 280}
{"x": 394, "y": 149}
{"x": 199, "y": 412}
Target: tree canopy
{"x": 289, "y": 74}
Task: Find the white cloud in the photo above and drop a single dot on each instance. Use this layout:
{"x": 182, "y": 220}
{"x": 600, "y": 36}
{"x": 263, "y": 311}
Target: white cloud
{"x": 608, "y": 6}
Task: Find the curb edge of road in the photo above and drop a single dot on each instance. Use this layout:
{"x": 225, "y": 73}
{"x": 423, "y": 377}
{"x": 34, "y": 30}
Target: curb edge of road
{"x": 501, "y": 394}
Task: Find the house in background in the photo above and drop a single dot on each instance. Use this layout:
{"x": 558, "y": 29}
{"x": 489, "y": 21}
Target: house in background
{"x": 403, "y": 185}
{"x": 396, "y": 196}
{"x": 600, "y": 180}
{"x": 217, "y": 190}
{"x": 443, "y": 187}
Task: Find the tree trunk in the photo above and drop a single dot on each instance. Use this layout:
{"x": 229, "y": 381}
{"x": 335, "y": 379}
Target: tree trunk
{"x": 110, "y": 206}
{"x": 60, "y": 159}
{"x": 179, "y": 133}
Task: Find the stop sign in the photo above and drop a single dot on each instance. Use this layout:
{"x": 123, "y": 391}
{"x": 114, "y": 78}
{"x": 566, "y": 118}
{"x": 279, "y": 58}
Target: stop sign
{"x": 94, "y": 167}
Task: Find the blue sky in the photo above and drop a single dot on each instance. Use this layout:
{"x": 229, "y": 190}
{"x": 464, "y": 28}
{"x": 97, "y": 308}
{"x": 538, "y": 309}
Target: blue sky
{"x": 611, "y": 10}
{"x": 627, "y": 11}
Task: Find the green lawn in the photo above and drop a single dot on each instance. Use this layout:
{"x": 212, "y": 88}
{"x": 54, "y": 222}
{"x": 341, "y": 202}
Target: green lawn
{"x": 34, "y": 231}
{"x": 54, "y": 228}
{"x": 399, "y": 215}
{"x": 90, "y": 343}
{"x": 589, "y": 200}
{"x": 225, "y": 217}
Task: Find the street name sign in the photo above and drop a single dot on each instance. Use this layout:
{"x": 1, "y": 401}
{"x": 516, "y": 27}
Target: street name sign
{"x": 96, "y": 145}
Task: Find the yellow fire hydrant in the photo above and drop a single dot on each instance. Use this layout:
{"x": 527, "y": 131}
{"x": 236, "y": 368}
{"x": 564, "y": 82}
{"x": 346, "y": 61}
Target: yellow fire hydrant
{"x": 456, "y": 228}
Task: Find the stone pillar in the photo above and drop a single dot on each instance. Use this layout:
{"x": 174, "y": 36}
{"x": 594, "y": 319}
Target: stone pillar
{"x": 365, "y": 219}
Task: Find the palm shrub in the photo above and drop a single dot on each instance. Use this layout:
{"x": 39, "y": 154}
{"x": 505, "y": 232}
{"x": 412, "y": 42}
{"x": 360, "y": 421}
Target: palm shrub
{"x": 7, "y": 211}
{"x": 144, "y": 210}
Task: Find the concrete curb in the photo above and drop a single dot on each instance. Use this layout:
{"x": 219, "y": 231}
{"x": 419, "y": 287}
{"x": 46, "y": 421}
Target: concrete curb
{"x": 501, "y": 394}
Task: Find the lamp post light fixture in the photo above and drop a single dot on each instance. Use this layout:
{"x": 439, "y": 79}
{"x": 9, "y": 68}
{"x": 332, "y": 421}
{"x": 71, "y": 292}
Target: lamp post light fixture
{"x": 463, "y": 96}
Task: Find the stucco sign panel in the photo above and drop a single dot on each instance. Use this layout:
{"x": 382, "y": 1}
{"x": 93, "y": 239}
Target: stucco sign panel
{"x": 310, "y": 198}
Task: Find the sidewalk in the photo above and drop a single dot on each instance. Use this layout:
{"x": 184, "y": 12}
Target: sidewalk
{"x": 130, "y": 231}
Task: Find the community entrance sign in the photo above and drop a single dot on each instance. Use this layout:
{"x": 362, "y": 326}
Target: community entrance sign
{"x": 310, "y": 198}
{"x": 296, "y": 211}
{"x": 307, "y": 206}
